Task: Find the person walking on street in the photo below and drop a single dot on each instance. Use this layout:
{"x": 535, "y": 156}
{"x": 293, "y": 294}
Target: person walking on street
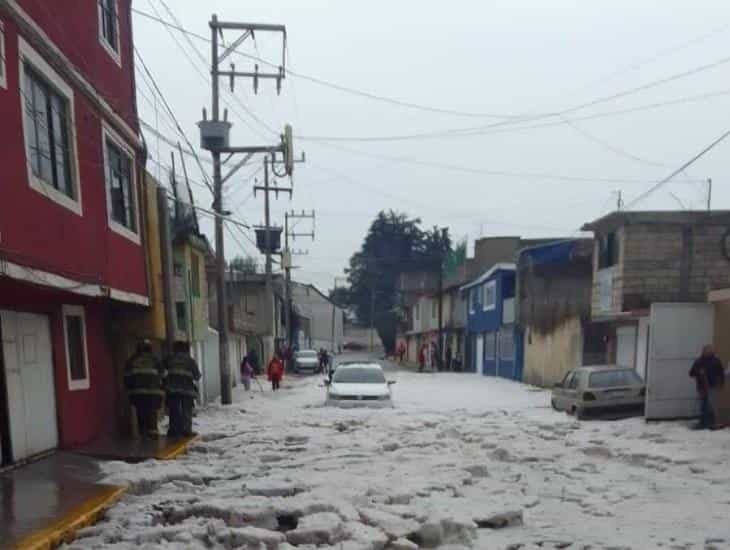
{"x": 421, "y": 357}
{"x": 401, "y": 352}
{"x": 709, "y": 375}
{"x": 449, "y": 357}
{"x": 143, "y": 379}
{"x": 275, "y": 371}
{"x": 182, "y": 390}
{"x": 247, "y": 372}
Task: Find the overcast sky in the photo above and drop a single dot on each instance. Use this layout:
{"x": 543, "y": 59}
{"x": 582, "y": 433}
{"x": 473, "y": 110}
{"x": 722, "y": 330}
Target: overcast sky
{"x": 544, "y": 174}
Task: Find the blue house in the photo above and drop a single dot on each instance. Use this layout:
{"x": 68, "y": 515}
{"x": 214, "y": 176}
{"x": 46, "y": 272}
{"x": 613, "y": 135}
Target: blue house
{"x": 495, "y": 342}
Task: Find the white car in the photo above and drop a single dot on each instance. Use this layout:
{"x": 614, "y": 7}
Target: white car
{"x": 306, "y": 360}
{"x": 359, "y": 385}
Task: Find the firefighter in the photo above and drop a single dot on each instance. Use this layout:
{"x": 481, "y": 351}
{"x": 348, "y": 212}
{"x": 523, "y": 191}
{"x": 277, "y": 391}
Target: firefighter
{"x": 182, "y": 389}
{"x": 144, "y": 379}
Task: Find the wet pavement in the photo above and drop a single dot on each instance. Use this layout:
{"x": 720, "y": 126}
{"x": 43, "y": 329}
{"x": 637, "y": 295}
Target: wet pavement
{"x": 135, "y": 450}
{"x": 43, "y": 497}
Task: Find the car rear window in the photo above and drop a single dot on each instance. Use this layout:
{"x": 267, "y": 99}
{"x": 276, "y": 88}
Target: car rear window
{"x": 612, "y": 378}
{"x": 359, "y": 376}
{"x": 307, "y": 354}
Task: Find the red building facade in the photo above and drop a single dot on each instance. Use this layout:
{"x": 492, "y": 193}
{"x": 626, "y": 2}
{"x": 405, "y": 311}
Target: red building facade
{"x": 72, "y": 255}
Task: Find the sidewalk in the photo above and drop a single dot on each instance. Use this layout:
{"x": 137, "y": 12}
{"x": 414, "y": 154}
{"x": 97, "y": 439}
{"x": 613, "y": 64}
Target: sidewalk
{"x": 46, "y": 502}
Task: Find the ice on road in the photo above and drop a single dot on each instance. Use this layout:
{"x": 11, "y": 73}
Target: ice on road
{"x": 462, "y": 461}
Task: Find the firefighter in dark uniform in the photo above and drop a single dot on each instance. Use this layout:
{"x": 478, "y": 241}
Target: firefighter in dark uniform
{"x": 144, "y": 380}
{"x": 182, "y": 389}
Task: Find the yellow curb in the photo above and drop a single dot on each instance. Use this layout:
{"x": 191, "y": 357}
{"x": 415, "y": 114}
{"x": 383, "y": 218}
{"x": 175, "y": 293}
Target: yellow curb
{"x": 65, "y": 529}
{"x": 175, "y": 450}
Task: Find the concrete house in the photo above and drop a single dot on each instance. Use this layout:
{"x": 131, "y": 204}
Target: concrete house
{"x": 326, "y": 320}
{"x": 555, "y": 284}
{"x": 495, "y": 339}
{"x": 652, "y": 272}
{"x": 419, "y": 300}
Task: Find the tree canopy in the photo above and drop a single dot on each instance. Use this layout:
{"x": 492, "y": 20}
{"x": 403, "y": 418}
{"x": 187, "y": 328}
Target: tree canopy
{"x": 394, "y": 244}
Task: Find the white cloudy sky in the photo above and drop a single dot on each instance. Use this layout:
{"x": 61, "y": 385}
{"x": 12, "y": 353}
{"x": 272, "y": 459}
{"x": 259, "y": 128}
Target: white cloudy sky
{"x": 557, "y": 65}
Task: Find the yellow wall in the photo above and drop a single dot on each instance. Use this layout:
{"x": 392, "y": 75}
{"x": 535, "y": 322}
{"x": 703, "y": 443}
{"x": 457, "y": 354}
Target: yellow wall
{"x": 549, "y": 356}
{"x": 722, "y": 349}
{"x": 152, "y": 323}
{"x": 184, "y": 253}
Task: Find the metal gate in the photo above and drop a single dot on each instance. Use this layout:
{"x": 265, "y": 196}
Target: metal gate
{"x": 677, "y": 334}
{"x": 26, "y": 348}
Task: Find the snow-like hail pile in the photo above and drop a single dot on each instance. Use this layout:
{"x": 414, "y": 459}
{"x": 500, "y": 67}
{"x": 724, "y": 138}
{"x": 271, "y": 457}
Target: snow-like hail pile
{"x": 462, "y": 461}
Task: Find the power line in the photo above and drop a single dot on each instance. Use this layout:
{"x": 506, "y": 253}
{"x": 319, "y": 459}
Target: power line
{"x": 680, "y": 169}
{"x": 174, "y": 118}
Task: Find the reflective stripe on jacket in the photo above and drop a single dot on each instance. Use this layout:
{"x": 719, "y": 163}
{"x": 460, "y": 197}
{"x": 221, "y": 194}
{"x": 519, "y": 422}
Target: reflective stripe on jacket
{"x": 144, "y": 375}
{"x": 182, "y": 373}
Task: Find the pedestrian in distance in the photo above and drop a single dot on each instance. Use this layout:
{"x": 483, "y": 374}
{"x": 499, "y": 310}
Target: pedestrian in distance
{"x": 449, "y": 358}
{"x": 709, "y": 376}
{"x": 144, "y": 378}
{"x": 401, "y": 352}
{"x": 182, "y": 390}
{"x": 421, "y": 357}
{"x": 275, "y": 371}
{"x": 247, "y": 372}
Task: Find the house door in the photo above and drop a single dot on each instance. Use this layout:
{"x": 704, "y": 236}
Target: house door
{"x": 28, "y": 364}
{"x": 642, "y": 347}
{"x": 626, "y": 346}
{"x": 677, "y": 334}
{"x": 479, "y": 355}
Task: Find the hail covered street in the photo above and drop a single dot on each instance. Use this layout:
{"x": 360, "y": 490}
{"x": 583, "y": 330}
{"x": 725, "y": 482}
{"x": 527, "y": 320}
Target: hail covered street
{"x": 461, "y": 461}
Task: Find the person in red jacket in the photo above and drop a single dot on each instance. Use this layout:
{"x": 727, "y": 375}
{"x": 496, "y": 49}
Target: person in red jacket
{"x": 275, "y": 371}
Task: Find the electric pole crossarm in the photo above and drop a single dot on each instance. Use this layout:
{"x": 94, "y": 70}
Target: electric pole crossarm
{"x": 260, "y": 76}
{"x": 237, "y": 167}
{"x": 273, "y": 189}
{"x": 267, "y": 149}
{"x": 232, "y": 25}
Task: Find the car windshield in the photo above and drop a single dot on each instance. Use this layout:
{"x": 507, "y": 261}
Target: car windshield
{"x": 307, "y": 354}
{"x": 611, "y": 378}
{"x": 355, "y": 375}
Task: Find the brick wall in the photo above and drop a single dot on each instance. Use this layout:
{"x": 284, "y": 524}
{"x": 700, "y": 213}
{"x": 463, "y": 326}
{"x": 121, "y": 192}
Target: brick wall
{"x": 665, "y": 262}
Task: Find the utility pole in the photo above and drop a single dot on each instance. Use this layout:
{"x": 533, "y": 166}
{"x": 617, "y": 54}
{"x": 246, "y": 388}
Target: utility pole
{"x": 372, "y": 318}
{"x": 215, "y": 137}
{"x": 334, "y": 313}
{"x": 286, "y": 262}
{"x": 442, "y": 256}
{"x": 709, "y": 194}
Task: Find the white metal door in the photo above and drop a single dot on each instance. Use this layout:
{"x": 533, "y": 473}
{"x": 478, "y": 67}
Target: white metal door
{"x": 626, "y": 346}
{"x": 677, "y": 334}
{"x": 28, "y": 363}
{"x": 479, "y": 359}
{"x": 642, "y": 347}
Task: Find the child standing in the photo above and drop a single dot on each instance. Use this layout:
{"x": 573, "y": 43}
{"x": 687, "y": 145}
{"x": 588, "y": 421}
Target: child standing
{"x": 247, "y": 372}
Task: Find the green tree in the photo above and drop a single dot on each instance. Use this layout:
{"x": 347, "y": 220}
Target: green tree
{"x": 245, "y": 264}
{"x": 394, "y": 244}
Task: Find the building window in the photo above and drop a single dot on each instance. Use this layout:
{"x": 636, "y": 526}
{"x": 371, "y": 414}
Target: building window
{"x": 490, "y": 295}
{"x": 109, "y": 28}
{"x": 120, "y": 186}
{"x": 490, "y": 346}
{"x": 195, "y": 273}
{"x": 608, "y": 250}
{"x": 181, "y": 316}
{"x": 473, "y": 300}
{"x": 48, "y": 127}
{"x": 506, "y": 345}
{"x": 3, "y": 65}
{"x": 77, "y": 364}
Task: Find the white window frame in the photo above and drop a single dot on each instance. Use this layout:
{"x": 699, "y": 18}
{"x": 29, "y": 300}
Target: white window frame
{"x": 26, "y": 54}
{"x": 108, "y": 134}
{"x": 485, "y": 303}
{"x": 115, "y": 55}
{"x": 76, "y": 311}
{"x": 3, "y": 58}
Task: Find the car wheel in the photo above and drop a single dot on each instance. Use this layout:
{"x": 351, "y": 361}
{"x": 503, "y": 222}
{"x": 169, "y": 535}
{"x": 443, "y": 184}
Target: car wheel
{"x": 553, "y": 405}
{"x": 580, "y": 413}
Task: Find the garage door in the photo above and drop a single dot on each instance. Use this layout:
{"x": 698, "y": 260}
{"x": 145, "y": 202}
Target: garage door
{"x": 26, "y": 347}
{"x": 677, "y": 334}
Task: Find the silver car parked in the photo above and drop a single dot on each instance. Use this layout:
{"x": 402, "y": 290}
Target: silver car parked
{"x": 600, "y": 391}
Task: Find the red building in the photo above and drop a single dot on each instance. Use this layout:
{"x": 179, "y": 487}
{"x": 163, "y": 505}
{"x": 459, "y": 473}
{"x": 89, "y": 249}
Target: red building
{"x": 72, "y": 259}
